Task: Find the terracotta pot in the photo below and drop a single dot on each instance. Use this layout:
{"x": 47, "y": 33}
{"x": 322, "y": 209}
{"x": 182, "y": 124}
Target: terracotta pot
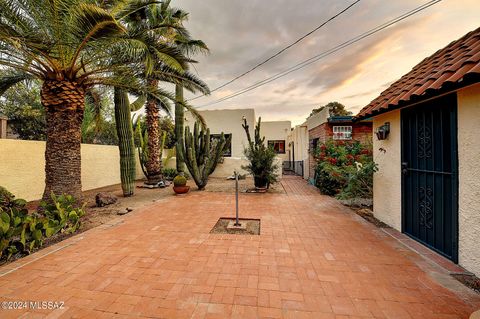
{"x": 181, "y": 189}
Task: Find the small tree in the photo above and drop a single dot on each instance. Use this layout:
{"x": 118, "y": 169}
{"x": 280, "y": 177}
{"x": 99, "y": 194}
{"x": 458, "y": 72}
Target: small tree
{"x": 334, "y": 108}
{"x": 262, "y": 159}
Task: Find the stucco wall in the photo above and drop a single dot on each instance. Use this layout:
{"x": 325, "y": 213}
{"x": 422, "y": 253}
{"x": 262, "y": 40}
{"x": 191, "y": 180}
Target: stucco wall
{"x": 387, "y": 181}
{"x": 228, "y": 122}
{"x": 277, "y": 130}
{"x": 387, "y": 193}
{"x": 22, "y": 167}
{"x": 297, "y": 146}
{"x": 469, "y": 178}
{"x": 317, "y": 119}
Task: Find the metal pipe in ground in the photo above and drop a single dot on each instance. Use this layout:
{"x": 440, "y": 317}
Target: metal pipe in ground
{"x": 236, "y": 198}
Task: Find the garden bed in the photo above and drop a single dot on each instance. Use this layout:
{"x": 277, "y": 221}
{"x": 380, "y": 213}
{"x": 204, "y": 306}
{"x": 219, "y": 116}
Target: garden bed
{"x": 224, "y": 226}
{"x": 471, "y": 281}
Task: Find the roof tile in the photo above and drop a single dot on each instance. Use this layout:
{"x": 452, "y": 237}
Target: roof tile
{"x": 448, "y": 67}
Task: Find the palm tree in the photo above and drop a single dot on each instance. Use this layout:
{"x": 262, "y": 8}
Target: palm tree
{"x": 161, "y": 62}
{"x": 179, "y": 35}
{"x": 68, "y": 46}
{"x": 163, "y": 23}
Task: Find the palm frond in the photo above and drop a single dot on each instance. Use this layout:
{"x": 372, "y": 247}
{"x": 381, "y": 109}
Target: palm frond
{"x": 9, "y": 79}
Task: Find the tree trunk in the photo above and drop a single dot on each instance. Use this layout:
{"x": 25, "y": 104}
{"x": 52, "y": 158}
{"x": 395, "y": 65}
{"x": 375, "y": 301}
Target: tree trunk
{"x": 126, "y": 146}
{"x": 154, "y": 160}
{"x": 179, "y": 129}
{"x": 64, "y": 103}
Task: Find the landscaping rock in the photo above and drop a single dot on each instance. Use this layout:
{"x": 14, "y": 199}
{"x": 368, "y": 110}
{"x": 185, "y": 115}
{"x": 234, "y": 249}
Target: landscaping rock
{"x": 104, "y": 199}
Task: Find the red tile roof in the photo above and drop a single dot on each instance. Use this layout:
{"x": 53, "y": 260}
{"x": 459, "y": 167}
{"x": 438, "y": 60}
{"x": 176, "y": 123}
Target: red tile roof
{"x": 455, "y": 66}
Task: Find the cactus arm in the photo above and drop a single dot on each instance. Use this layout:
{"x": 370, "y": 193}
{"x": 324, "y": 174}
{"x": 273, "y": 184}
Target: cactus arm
{"x": 200, "y": 154}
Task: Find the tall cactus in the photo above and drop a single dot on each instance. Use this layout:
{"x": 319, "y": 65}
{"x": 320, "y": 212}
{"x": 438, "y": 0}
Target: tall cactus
{"x": 201, "y": 156}
{"x": 179, "y": 128}
{"x": 125, "y": 141}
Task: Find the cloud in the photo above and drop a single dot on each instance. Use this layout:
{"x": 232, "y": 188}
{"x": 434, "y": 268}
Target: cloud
{"x": 241, "y": 34}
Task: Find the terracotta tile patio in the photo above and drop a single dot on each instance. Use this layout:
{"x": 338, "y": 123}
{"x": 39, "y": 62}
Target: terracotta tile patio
{"x": 313, "y": 259}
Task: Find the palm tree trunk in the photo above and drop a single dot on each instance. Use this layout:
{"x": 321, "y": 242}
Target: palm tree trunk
{"x": 154, "y": 160}
{"x": 179, "y": 128}
{"x": 64, "y": 103}
{"x": 126, "y": 144}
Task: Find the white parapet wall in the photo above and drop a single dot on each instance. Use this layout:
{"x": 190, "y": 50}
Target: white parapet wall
{"x": 22, "y": 167}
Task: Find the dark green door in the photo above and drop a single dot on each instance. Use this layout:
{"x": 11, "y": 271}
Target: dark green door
{"x": 429, "y": 174}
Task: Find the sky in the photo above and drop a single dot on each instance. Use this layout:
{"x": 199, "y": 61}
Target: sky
{"x": 242, "y": 33}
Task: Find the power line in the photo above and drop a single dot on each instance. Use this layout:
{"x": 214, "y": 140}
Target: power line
{"x": 324, "y": 54}
{"x": 279, "y": 52}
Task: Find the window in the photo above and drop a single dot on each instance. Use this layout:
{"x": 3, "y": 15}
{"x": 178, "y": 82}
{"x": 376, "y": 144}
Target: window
{"x": 313, "y": 145}
{"x": 228, "y": 146}
{"x": 342, "y": 132}
{"x": 278, "y": 146}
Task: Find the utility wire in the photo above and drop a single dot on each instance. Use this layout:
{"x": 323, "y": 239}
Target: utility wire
{"x": 324, "y": 54}
{"x": 279, "y": 52}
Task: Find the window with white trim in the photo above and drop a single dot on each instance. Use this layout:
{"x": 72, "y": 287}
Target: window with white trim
{"x": 342, "y": 132}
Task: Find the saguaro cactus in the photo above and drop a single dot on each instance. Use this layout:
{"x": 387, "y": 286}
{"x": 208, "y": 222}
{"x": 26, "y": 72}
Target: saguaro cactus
{"x": 125, "y": 141}
{"x": 201, "y": 155}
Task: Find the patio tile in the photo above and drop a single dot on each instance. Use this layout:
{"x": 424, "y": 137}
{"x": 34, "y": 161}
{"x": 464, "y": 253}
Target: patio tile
{"x": 314, "y": 258}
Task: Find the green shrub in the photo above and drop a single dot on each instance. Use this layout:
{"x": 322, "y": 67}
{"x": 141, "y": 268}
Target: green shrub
{"x": 5, "y": 195}
{"x": 179, "y": 181}
{"x": 21, "y": 232}
{"x": 261, "y": 158}
{"x": 345, "y": 169}
{"x": 63, "y": 214}
{"x": 169, "y": 173}
{"x": 360, "y": 182}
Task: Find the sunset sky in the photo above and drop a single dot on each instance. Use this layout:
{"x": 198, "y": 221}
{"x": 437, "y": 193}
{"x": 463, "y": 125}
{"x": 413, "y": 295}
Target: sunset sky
{"x": 241, "y": 34}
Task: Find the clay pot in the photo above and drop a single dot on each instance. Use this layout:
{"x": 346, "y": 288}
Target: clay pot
{"x": 181, "y": 189}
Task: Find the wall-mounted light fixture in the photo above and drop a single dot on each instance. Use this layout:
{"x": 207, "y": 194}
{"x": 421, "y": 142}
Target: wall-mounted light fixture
{"x": 383, "y": 131}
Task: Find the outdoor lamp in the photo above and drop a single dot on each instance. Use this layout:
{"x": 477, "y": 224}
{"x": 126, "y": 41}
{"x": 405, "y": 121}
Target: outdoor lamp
{"x": 383, "y": 131}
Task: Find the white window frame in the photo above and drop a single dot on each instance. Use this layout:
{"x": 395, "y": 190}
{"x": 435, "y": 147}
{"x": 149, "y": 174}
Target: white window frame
{"x": 342, "y": 132}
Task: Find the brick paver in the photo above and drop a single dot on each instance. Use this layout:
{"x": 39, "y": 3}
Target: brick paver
{"x": 313, "y": 259}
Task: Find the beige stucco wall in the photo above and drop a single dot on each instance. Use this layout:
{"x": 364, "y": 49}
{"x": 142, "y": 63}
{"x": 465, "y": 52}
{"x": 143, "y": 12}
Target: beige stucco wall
{"x": 317, "y": 119}
{"x": 469, "y": 178}
{"x": 299, "y": 138}
{"x": 387, "y": 193}
{"x": 276, "y": 130}
{"x": 228, "y": 122}
{"x": 22, "y": 167}
{"x": 387, "y": 181}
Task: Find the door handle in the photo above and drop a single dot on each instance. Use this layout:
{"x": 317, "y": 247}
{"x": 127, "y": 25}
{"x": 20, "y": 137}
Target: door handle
{"x": 404, "y": 167}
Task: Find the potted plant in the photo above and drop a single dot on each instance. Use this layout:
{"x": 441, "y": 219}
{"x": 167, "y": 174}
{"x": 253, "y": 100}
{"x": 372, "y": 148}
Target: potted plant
{"x": 261, "y": 159}
{"x": 180, "y": 185}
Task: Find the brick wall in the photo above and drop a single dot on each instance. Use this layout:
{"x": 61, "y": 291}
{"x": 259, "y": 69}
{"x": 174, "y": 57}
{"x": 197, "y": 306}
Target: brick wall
{"x": 363, "y": 132}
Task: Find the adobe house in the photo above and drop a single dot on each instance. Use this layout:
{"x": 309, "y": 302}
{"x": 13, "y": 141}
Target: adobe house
{"x": 229, "y": 121}
{"x": 322, "y": 127}
{"x": 428, "y": 151}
